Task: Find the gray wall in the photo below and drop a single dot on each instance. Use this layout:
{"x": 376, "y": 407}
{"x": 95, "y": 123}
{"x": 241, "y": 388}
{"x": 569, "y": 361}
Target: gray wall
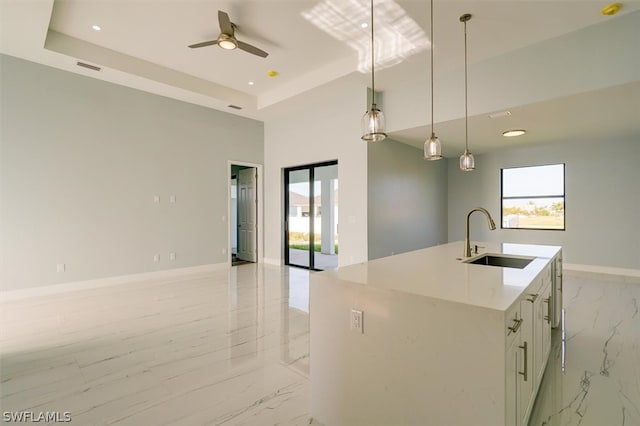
{"x": 407, "y": 199}
{"x": 601, "y": 196}
{"x": 81, "y": 160}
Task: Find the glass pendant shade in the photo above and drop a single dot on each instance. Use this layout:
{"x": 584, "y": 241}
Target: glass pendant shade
{"x": 373, "y": 120}
{"x": 373, "y": 125}
{"x": 467, "y": 162}
{"x": 432, "y": 148}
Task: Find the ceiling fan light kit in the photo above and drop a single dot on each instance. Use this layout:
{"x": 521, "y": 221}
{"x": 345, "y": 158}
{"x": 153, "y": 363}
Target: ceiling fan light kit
{"x": 227, "y": 39}
{"x": 373, "y": 122}
{"x": 226, "y": 42}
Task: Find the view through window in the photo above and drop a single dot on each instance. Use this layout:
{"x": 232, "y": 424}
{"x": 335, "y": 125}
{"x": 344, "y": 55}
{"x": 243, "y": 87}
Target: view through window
{"x": 533, "y": 197}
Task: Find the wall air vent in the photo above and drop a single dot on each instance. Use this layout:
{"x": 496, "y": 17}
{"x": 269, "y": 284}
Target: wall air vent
{"x": 89, "y": 66}
{"x": 234, "y": 106}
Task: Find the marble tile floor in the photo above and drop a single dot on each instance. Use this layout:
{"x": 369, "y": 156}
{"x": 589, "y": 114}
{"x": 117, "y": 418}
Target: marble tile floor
{"x": 232, "y": 348}
{"x": 229, "y": 348}
{"x": 593, "y": 374}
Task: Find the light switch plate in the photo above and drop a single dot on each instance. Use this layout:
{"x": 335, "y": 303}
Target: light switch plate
{"x": 356, "y": 321}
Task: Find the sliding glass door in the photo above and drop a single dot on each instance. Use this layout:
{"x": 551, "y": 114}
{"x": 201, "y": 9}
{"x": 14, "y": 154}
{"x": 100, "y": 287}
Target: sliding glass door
{"x": 311, "y": 216}
{"x": 297, "y": 222}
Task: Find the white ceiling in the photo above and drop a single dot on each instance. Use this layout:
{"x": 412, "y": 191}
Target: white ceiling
{"x": 595, "y": 115}
{"x": 143, "y": 44}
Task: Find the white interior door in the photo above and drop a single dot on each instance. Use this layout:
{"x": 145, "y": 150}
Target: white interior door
{"x": 247, "y": 215}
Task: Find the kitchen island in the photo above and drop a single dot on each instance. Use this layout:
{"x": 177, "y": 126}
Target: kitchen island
{"x": 424, "y": 338}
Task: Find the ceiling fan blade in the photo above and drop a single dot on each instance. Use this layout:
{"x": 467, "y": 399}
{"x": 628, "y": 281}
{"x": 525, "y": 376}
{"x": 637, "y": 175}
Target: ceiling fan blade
{"x": 203, "y": 44}
{"x": 252, "y": 49}
{"x": 225, "y": 23}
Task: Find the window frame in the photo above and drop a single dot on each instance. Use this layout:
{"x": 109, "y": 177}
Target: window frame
{"x": 563, "y": 197}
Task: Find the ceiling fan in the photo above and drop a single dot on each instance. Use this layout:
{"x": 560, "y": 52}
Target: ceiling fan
{"x": 227, "y": 39}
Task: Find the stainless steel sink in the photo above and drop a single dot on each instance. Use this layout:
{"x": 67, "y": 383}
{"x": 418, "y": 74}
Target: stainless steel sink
{"x": 502, "y": 261}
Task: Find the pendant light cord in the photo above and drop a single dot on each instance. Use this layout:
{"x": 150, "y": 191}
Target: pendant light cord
{"x": 373, "y": 81}
{"x": 432, "y": 122}
{"x": 466, "y": 113}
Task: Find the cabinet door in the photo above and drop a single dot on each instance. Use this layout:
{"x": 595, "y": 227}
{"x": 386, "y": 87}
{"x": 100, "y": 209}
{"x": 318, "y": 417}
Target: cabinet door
{"x": 525, "y": 367}
{"x": 542, "y": 331}
{"x": 512, "y": 385}
{"x": 540, "y": 309}
{"x": 547, "y": 318}
{"x": 556, "y": 291}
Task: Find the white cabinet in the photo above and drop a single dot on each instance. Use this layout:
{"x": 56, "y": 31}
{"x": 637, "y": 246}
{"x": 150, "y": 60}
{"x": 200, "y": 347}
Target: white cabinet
{"x": 512, "y": 382}
{"x": 518, "y": 383}
{"x": 525, "y": 364}
{"x": 528, "y": 346}
{"x": 556, "y": 290}
{"x": 545, "y": 321}
{"x": 542, "y": 326}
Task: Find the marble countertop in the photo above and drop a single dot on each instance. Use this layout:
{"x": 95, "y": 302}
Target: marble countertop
{"x": 437, "y": 272}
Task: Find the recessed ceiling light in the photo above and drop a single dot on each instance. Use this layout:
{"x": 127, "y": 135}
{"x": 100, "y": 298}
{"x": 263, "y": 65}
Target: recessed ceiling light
{"x": 364, "y": 25}
{"x": 251, "y": 83}
{"x": 514, "y": 132}
{"x": 96, "y": 27}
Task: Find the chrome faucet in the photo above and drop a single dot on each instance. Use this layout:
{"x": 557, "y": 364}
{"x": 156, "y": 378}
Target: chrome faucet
{"x": 467, "y": 243}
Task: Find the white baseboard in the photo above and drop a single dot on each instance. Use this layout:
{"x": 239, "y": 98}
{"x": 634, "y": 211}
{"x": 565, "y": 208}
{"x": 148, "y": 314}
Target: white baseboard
{"x": 272, "y": 261}
{"x": 625, "y": 272}
{"x": 26, "y": 293}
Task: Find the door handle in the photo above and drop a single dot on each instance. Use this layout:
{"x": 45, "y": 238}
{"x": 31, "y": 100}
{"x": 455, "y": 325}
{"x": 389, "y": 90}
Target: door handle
{"x": 524, "y": 347}
{"x": 516, "y": 325}
{"x": 548, "y": 316}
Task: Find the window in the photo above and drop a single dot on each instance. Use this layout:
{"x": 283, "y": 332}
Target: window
{"x": 533, "y": 197}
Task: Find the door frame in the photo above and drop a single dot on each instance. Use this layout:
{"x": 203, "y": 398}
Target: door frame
{"x": 311, "y": 167}
{"x": 260, "y": 212}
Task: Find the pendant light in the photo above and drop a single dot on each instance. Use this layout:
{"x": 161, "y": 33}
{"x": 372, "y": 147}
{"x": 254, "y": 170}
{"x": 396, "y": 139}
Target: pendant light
{"x": 432, "y": 146}
{"x": 466, "y": 159}
{"x": 373, "y": 119}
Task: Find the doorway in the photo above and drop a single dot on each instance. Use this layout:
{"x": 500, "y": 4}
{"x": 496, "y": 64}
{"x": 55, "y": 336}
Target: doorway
{"x": 243, "y": 214}
{"x": 311, "y": 216}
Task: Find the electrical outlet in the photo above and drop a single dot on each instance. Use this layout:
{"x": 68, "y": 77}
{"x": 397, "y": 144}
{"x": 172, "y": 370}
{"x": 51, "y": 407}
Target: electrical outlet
{"x": 156, "y": 199}
{"x": 61, "y": 267}
{"x": 172, "y": 199}
{"x": 356, "y": 321}
{"x": 224, "y": 251}
{"x": 172, "y": 256}
{"x": 156, "y": 258}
